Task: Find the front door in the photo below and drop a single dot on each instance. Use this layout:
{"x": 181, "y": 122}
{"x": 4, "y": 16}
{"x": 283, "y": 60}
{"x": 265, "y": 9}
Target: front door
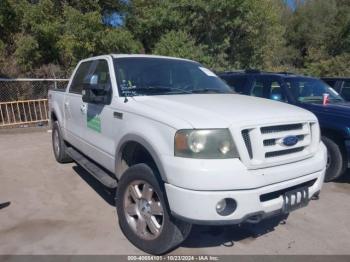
{"x": 100, "y": 127}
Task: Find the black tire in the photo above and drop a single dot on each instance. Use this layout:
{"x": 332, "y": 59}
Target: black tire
{"x": 173, "y": 231}
{"x": 335, "y": 162}
{"x": 59, "y": 145}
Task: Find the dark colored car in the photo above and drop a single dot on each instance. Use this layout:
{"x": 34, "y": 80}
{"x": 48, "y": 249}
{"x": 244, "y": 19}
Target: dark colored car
{"x": 308, "y": 93}
{"x": 340, "y": 84}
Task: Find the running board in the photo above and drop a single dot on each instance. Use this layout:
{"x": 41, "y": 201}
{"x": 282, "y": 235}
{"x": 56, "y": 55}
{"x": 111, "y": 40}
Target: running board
{"x": 92, "y": 168}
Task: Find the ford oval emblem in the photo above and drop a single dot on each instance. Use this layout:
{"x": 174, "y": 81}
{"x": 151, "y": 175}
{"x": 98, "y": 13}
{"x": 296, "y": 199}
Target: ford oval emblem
{"x": 290, "y": 140}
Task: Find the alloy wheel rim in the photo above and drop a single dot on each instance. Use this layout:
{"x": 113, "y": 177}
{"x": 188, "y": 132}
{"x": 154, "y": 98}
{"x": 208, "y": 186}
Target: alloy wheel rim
{"x": 143, "y": 210}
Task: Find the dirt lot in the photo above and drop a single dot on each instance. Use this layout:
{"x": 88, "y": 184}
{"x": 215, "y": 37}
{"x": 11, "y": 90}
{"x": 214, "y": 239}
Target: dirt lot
{"x": 59, "y": 209}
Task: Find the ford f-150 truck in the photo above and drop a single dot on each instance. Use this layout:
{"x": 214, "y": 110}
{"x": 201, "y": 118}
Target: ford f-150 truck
{"x": 181, "y": 148}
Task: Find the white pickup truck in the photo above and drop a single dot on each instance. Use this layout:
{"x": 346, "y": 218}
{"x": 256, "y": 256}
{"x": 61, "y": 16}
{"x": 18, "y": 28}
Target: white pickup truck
{"x": 180, "y": 148}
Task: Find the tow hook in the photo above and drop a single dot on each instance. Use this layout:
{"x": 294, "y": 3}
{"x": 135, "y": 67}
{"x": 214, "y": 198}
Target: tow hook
{"x": 316, "y": 196}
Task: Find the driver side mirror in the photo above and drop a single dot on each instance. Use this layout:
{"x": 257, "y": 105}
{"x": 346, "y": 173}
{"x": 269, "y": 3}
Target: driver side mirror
{"x": 96, "y": 93}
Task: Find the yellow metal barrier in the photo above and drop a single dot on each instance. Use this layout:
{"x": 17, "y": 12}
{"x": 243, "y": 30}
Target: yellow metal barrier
{"x": 23, "y": 112}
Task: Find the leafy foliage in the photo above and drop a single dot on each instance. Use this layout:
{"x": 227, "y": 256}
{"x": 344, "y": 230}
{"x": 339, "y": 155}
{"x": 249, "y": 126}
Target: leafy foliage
{"x": 319, "y": 33}
{"x": 180, "y": 44}
{"x": 42, "y": 36}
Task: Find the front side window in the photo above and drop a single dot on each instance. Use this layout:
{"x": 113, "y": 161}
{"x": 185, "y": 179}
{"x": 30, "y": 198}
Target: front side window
{"x": 91, "y": 72}
{"x": 141, "y": 76}
{"x": 309, "y": 90}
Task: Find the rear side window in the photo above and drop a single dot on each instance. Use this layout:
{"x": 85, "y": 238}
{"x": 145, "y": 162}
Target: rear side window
{"x": 267, "y": 88}
{"x": 345, "y": 91}
{"x": 78, "y": 81}
{"x": 96, "y": 71}
{"x": 257, "y": 89}
{"x": 237, "y": 83}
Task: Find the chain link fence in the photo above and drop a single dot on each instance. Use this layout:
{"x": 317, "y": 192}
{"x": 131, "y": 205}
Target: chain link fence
{"x": 23, "y": 102}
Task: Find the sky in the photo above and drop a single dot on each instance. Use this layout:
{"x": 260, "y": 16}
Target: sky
{"x": 292, "y": 3}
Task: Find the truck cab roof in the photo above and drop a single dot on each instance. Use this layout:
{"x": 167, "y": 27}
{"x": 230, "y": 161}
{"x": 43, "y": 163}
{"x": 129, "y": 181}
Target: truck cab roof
{"x": 135, "y": 56}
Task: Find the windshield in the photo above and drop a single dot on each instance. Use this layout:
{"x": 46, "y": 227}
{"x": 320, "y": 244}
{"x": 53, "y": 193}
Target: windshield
{"x": 309, "y": 90}
{"x": 160, "y": 76}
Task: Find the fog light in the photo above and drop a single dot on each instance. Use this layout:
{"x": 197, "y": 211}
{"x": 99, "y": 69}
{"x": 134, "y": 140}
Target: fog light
{"x": 220, "y": 206}
{"x": 226, "y": 206}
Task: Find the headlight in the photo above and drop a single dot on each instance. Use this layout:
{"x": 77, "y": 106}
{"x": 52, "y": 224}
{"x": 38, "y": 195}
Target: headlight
{"x": 205, "y": 144}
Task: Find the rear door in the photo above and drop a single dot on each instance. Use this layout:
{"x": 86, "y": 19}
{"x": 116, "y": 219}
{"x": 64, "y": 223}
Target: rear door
{"x": 74, "y": 107}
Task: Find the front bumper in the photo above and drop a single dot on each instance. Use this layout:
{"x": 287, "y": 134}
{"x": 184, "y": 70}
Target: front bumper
{"x": 199, "y": 207}
{"x": 194, "y": 189}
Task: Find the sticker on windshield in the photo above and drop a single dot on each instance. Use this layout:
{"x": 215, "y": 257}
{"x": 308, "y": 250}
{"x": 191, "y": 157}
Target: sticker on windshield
{"x": 207, "y": 71}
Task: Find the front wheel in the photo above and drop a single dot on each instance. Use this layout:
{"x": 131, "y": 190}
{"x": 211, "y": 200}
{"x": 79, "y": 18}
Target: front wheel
{"x": 143, "y": 213}
{"x": 335, "y": 160}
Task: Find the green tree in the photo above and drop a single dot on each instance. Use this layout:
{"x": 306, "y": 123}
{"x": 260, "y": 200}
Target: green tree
{"x": 240, "y": 33}
{"x": 181, "y": 44}
{"x": 150, "y": 19}
{"x": 27, "y": 52}
{"x": 8, "y": 20}
{"x": 37, "y": 36}
{"x": 81, "y": 32}
{"x": 118, "y": 40}
{"x": 44, "y": 33}
{"x": 319, "y": 32}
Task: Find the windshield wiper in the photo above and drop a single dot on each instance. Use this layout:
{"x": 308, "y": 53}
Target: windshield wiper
{"x": 158, "y": 89}
{"x": 149, "y": 89}
{"x": 206, "y": 90}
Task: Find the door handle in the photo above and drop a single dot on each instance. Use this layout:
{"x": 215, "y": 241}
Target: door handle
{"x": 83, "y": 109}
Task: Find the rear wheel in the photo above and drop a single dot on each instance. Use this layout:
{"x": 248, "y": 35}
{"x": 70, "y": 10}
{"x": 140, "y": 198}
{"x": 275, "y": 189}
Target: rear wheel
{"x": 143, "y": 213}
{"x": 58, "y": 145}
{"x": 335, "y": 160}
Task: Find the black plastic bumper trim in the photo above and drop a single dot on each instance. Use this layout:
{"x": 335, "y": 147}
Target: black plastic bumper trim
{"x": 252, "y": 218}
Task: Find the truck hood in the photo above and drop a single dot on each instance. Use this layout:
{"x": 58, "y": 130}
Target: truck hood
{"x": 223, "y": 110}
{"x": 339, "y": 109}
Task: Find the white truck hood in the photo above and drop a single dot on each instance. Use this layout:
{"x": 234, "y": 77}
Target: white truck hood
{"x": 223, "y": 110}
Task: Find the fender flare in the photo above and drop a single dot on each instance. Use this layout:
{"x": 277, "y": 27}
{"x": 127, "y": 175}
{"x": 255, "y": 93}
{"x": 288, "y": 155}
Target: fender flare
{"x": 143, "y": 142}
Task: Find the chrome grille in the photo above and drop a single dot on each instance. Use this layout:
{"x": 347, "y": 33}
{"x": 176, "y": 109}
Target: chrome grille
{"x": 246, "y": 138}
{"x": 272, "y": 142}
{"x": 265, "y": 147}
{"x": 281, "y": 128}
{"x": 283, "y": 152}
